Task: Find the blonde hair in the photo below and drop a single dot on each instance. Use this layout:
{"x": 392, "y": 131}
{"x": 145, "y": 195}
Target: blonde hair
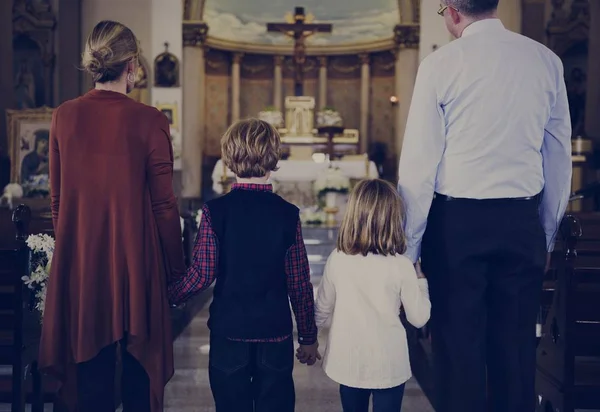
{"x": 108, "y": 49}
{"x": 373, "y": 222}
{"x": 251, "y": 148}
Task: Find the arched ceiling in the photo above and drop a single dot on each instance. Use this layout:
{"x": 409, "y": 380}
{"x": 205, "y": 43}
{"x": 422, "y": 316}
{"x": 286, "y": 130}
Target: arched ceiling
{"x": 354, "y": 21}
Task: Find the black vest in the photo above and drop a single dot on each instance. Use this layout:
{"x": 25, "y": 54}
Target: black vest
{"x": 254, "y": 229}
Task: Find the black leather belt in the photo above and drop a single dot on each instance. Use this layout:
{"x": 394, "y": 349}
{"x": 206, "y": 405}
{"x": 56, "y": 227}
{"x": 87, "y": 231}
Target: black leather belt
{"x": 447, "y": 198}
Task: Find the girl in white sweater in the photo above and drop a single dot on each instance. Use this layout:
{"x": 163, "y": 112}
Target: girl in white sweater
{"x": 365, "y": 283}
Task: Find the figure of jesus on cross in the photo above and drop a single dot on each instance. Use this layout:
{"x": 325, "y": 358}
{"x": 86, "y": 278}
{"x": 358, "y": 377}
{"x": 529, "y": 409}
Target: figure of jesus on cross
{"x": 299, "y": 30}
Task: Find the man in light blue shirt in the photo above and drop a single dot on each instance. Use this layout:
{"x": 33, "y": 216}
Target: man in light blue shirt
{"x": 485, "y": 172}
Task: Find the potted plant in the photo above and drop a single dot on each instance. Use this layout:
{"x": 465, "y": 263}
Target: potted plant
{"x": 272, "y": 116}
{"x": 328, "y": 116}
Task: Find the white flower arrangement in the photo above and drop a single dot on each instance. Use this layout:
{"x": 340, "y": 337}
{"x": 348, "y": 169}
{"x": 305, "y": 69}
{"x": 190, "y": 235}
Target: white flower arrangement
{"x": 331, "y": 180}
{"x": 272, "y": 116}
{"x": 37, "y": 185}
{"x": 329, "y": 117}
{"x": 11, "y": 191}
{"x": 312, "y": 216}
{"x": 42, "y": 248}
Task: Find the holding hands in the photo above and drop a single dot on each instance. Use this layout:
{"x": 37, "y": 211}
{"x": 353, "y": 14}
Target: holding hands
{"x": 420, "y": 274}
{"x": 308, "y": 354}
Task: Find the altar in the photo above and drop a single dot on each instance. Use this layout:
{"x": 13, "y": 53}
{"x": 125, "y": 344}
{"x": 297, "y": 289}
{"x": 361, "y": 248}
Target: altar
{"x": 295, "y": 178}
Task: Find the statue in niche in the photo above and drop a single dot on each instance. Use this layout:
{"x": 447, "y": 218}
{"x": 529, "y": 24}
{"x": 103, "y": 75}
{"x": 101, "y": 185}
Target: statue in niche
{"x": 166, "y": 69}
{"x": 30, "y": 74}
{"x": 25, "y": 87}
{"x": 576, "y": 92}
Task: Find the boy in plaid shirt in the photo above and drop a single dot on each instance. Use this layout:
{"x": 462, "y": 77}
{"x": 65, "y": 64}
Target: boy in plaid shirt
{"x": 250, "y": 242}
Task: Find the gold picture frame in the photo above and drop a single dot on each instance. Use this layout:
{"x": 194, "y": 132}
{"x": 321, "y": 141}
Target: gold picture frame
{"x": 170, "y": 111}
{"x": 29, "y": 141}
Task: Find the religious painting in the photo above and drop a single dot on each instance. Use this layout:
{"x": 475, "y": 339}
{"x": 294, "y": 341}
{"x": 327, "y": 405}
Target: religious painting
{"x": 28, "y": 140}
{"x": 170, "y": 111}
{"x": 353, "y": 21}
{"x": 166, "y": 69}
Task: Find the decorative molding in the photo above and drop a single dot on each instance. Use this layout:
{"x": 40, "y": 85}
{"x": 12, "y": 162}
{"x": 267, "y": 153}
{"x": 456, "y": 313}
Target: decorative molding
{"x": 217, "y": 63}
{"x": 344, "y": 67}
{"x": 193, "y": 10}
{"x": 364, "y": 58}
{"x": 416, "y": 9}
{"x": 322, "y": 61}
{"x": 407, "y": 36}
{"x": 194, "y": 34}
{"x": 383, "y": 64}
{"x": 257, "y": 66}
{"x": 568, "y": 28}
{"x": 287, "y": 50}
{"x": 237, "y": 58}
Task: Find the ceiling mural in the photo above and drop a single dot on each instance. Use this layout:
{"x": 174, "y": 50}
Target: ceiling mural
{"x": 354, "y": 21}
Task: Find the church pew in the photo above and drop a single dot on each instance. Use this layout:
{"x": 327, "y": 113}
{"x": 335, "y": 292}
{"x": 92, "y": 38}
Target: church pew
{"x": 19, "y": 327}
{"x": 38, "y": 390}
{"x": 568, "y": 359}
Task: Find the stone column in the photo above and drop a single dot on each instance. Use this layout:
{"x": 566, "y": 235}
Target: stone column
{"x": 592, "y": 104}
{"x": 510, "y": 13}
{"x": 194, "y": 107}
{"x": 277, "y": 83}
{"x": 365, "y": 87}
{"x": 322, "y": 82}
{"x": 407, "y": 64}
{"x": 69, "y": 45}
{"x": 6, "y": 71}
{"x": 235, "y": 86}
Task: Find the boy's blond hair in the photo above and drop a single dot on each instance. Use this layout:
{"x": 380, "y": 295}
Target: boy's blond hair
{"x": 251, "y": 148}
{"x": 373, "y": 222}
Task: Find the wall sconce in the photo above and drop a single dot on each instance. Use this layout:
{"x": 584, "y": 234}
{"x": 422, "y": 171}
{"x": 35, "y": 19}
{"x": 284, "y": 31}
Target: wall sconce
{"x": 394, "y": 100}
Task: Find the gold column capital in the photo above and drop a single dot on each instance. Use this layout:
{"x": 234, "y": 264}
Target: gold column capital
{"x": 237, "y": 58}
{"x": 365, "y": 58}
{"x": 194, "y": 34}
{"x": 407, "y": 36}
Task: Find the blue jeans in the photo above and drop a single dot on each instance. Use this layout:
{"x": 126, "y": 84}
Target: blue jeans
{"x": 384, "y": 400}
{"x": 251, "y": 377}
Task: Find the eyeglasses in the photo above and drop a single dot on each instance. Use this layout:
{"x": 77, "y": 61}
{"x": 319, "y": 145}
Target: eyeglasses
{"x": 443, "y": 8}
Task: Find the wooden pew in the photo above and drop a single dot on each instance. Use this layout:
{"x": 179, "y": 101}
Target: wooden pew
{"x": 36, "y": 390}
{"x": 18, "y": 325}
{"x": 568, "y": 359}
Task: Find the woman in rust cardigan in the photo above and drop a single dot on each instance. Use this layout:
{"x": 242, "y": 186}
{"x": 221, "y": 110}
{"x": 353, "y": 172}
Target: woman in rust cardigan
{"x": 118, "y": 237}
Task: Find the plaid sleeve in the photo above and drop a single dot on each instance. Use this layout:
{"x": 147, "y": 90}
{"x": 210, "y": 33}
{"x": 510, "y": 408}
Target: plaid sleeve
{"x": 300, "y": 289}
{"x": 203, "y": 270}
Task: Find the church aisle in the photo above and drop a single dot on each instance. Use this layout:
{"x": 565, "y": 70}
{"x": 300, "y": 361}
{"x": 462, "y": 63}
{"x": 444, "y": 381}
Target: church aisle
{"x": 189, "y": 390}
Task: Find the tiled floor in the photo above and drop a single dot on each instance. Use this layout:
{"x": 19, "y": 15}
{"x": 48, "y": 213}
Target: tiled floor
{"x": 189, "y": 389}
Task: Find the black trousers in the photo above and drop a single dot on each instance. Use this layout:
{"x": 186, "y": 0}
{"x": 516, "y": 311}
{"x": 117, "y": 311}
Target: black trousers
{"x": 252, "y": 377}
{"x": 96, "y": 389}
{"x": 485, "y": 263}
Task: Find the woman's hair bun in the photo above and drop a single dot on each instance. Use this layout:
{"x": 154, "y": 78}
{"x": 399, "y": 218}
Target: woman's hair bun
{"x": 108, "y": 49}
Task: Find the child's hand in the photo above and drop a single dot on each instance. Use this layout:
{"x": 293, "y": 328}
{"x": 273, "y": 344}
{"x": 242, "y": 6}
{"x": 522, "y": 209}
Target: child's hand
{"x": 308, "y": 354}
{"x": 420, "y": 274}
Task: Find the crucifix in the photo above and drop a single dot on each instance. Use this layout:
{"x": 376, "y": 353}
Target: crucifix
{"x": 299, "y": 30}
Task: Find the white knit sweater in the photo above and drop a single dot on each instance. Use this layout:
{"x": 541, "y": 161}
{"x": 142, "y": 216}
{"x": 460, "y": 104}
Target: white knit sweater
{"x": 362, "y": 295}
